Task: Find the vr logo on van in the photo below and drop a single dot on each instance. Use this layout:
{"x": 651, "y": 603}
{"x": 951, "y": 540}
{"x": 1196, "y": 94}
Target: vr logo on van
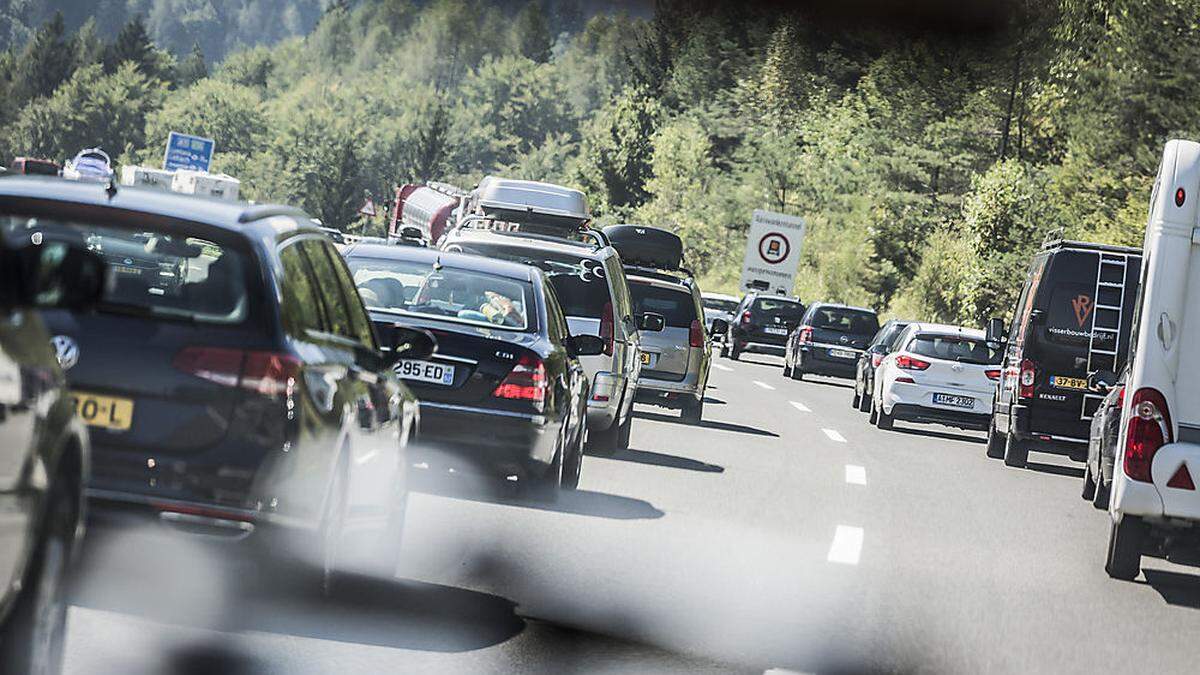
{"x": 1083, "y": 308}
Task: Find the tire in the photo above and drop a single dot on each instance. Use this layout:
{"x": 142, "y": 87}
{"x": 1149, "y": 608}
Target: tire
{"x": 857, "y": 400}
{"x": 573, "y": 466}
{"x": 797, "y": 373}
{"x": 874, "y": 415}
{"x": 734, "y": 352}
{"x": 1125, "y": 541}
{"x": 31, "y": 640}
{"x": 624, "y": 431}
{"x": 545, "y": 488}
{"x": 1103, "y": 490}
{"x": 995, "y": 442}
{"x": 864, "y": 405}
{"x": 787, "y": 370}
{"x": 883, "y": 420}
{"x": 1016, "y": 453}
{"x": 693, "y": 412}
{"x": 724, "y": 350}
{"x": 1088, "y": 493}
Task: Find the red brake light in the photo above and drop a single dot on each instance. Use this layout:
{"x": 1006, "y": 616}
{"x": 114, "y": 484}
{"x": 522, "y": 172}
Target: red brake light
{"x": 805, "y": 336}
{"x": 266, "y": 373}
{"x": 910, "y": 363}
{"x": 904, "y": 379}
{"x": 607, "y": 328}
{"x": 1149, "y": 430}
{"x": 1028, "y": 377}
{"x": 696, "y": 334}
{"x": 992, "y": 374}
{"x": 876, "y": 359}
{"x": 525, "y": 382}
{"x": 746, "y": 316}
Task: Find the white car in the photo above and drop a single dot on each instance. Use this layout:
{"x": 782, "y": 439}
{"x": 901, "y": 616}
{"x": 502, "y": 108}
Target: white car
{"x": 1154, "y": 506}
{"x": 937, "y": 374}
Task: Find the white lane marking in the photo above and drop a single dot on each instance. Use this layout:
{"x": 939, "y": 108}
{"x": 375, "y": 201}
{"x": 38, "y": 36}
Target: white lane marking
{"x": 764, "y": 385}
{"x": 722, "y": 366}
{"x": 799, "y": 406}
{"x": 856, "y": 475}
{"x": 847, "y": 545}
{"x": 834, "y": 435}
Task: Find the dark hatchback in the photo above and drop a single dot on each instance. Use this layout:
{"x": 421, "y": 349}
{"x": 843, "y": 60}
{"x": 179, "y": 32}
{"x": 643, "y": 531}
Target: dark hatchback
{"x": 249, "y": 398}
{"x": 868, "y": 361}
{"x": 505, "y": 392}
{"x": 829, "y": 340}
{"x": 761, "y": 324}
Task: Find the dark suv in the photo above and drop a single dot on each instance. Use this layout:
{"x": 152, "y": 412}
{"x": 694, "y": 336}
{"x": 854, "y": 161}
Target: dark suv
{"x": 829, "y": 340}
{"x": 868, "y": 361}
{"x": 762, "y": 323}
{"x": 1073, "y": 318}
{"x": 247, "y": 398}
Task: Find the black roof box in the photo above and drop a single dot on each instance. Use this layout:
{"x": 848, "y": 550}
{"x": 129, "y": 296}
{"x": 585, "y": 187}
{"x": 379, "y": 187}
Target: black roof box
{"x": 646, "y": 246}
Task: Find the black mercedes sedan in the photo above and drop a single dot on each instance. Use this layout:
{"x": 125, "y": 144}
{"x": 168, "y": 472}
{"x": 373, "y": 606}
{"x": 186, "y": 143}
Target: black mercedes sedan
{"x": 247, "y": 398}
{"x": 504, "y": 395}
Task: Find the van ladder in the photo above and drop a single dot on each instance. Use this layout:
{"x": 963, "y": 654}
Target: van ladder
{"x": 1108, "y": 302}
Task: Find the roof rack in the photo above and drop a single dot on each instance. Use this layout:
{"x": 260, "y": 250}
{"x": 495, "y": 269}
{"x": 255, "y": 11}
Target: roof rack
{"x": 655, "y": 273}
{"x": 447, "y": 189}
{"x": 1055, "y": 240}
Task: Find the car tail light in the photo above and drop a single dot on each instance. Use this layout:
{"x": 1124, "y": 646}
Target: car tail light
{"x": 805, "y": 337}
{"x": 1028, "y": 377}
{"x": 876, "y": 359}
{"x": 909, "y": 363}
{"x": 607, "y": 328}
{"x": 904, "y": 379}
{"x": 266, "y": 373}
{"x": 525, "y": 382}
{"x": 696, "y": 334}
{"x": 1149, "y": 430}
{"x": 746, "y": 317}
{"x": 992, "y": 374}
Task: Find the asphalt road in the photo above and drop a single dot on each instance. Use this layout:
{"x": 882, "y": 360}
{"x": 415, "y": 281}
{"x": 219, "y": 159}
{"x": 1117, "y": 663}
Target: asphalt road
{"x": 785, "y": 532}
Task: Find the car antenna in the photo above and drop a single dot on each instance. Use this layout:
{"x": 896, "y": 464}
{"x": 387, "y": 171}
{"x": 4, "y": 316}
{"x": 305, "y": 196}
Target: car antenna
{"x": 111, "y": 188}
{"x": 437, "y": 264}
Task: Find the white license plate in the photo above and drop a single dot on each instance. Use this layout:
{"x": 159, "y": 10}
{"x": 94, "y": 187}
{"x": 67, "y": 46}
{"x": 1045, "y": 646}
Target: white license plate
{"x": 771, "y": 330}
{"x": 425, "y": 371}
{"x": 955, "y": 401}
{"x": 842, "y": 354}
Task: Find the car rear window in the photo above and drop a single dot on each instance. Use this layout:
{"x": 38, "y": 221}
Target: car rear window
{"x": 888, "y": 335}
{"x": 954, "y": 348}
{"x": 579, "y": 281}
{"x": 853, "y": 321}
{"x": 167, "y": 275}
{"x": 445, "y": 293}
{"x": 720, "y": 305}
{"x": 677, "y": 306}
{"x": 785, "y": 309}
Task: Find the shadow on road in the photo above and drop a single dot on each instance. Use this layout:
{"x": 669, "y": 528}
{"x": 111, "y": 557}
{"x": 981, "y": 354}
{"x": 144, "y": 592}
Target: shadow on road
{"x": 575, "y": 502}
{"x": 712, "y": 400}
{"x": 1055, "y": 469}
{"x": 944, "y": 435}
{"x": 1177, "y": 589}
{"x": 707, "y": 424}
{"x": 828, "y": 381}
{"x": 760, "y": 361}
{"x": 669, "y": 461}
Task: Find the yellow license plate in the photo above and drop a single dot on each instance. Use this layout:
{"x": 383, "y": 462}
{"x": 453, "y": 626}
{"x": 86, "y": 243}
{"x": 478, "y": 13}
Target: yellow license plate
{"x": 1068, "y": 382}
{"x": 103, "y": 411}
{"x": 645, "y": 358}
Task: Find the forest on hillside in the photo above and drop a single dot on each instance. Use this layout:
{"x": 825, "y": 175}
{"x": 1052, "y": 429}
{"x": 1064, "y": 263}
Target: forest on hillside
{"x": 929, "y": 157}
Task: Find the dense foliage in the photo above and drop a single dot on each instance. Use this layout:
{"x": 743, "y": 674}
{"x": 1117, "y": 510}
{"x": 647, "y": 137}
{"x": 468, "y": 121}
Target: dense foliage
{"x": 928, "y": 163}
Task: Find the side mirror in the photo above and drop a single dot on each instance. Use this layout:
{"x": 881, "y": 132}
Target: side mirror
{"x": 1101, "y": 381}
{"x": 411, "y": 343}
{"x": 53, "y": 274}
{"x": 995, "y": 331}
{"x": 584, "y": 345}
{"x": 652, "y": 322}
{"x": 719, "y": 327}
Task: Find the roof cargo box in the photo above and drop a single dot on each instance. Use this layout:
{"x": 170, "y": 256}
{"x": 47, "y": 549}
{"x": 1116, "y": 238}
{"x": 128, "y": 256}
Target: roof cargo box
{"x": 646, "y": 246}
{"x": 526, "y": 201}
{"x": 206, "y": 184}
{"x": 147, "y": 177}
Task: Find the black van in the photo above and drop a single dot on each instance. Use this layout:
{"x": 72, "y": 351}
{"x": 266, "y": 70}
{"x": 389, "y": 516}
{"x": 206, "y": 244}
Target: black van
{"x": 1073, "y": 318}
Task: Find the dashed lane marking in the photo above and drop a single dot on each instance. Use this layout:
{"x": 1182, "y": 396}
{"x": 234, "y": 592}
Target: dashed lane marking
{"x": 764, "y": 385}
{"x": 847, "y": 545}
{"x": 834, "y": 435}
{"x": 856, "y": 475}
{"x": 799, "y": 406}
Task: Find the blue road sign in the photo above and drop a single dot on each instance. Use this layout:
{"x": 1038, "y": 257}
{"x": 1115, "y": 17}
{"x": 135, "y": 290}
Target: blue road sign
{"x": 188, "y": 152}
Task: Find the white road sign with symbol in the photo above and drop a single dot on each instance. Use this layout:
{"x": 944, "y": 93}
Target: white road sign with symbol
{"x": 772, "y": 252}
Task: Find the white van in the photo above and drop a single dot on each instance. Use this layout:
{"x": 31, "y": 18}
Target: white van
{"x": 1155, "y": 506}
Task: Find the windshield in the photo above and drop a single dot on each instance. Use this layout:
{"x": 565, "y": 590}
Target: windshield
{"x": 165, "y": 275}
{"x": 954, "y": 348}
{"x": 449, "y": 294}
{"x": 675, "y": 305}
{"x": 841, "y": 319}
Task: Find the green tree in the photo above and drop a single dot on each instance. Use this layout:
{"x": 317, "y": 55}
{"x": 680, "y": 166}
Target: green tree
{"x": 230, "y": 114}
{"x": 193, "y": 68}
{"x": 531, "y": 34}
{"x": 319, "y": 167}
{"x": 46, "y": 62}
{"x": 132, "y": 44}
{"x": 617, "y": 151}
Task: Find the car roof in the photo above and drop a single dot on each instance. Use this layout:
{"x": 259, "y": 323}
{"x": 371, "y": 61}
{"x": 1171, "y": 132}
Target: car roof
{"x": 719, "y": 296}
{"x": 946, "y": 329}
{"x": 500, "y": 268}
{"x": 838, "y": 305}
{"x": 583, "y": 249}
{"x": 234, "y": 216}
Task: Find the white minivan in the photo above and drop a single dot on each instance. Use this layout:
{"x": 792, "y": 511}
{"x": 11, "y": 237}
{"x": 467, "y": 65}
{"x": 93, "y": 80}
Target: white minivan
{"x": 1155, "y": 507}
